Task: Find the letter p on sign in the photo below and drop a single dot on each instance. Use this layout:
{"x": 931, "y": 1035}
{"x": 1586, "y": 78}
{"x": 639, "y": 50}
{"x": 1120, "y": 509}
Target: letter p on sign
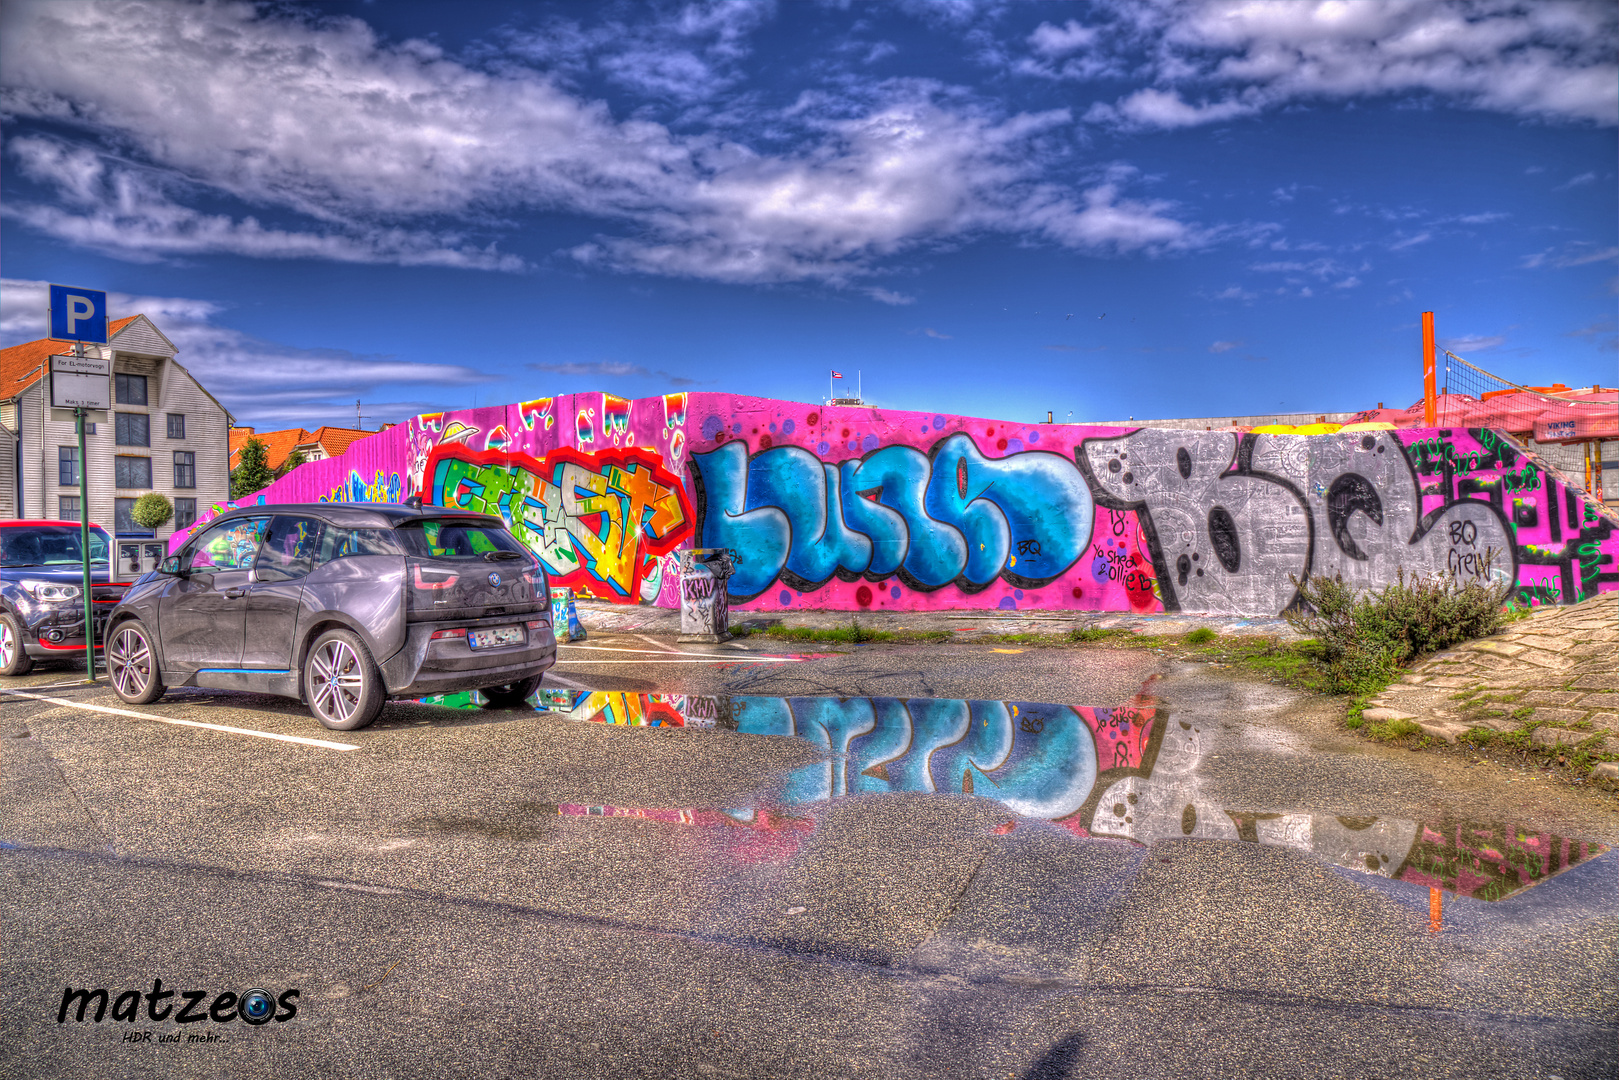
{"x": 78, "y": 314}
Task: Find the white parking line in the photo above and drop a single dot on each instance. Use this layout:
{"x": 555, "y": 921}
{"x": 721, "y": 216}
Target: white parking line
{"x": 709, "y": 660}
{"x": 665, "y": 652}
{"x": 569, "y": 683}
{"x": 660, "y": 646}
{"x": 183, "y": 723}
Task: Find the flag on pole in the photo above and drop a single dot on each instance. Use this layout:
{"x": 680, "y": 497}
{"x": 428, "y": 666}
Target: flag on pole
{"x": 835, "y": 375}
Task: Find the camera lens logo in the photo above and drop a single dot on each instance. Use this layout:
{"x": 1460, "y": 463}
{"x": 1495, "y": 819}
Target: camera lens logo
{"x": 256, "y": 1007}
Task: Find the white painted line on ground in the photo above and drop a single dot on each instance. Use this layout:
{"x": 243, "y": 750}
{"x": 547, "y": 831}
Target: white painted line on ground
{"x": 660, "y": 646}
{"x": 643, "y": 652}
{"x": 184, "y": 723}
{"x": 709, "y": 660}
{"x": 569, "y": 683}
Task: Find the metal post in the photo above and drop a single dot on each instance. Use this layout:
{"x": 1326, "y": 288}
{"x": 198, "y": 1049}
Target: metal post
{"x": 1596, "y": 465}
{"x": 1430, "y": 402}
{"x": 84, "y": 551}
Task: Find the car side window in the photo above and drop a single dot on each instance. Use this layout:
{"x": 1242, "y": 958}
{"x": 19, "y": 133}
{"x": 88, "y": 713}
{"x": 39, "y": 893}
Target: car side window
{"x": 289, "y": 549}
{"x": 229, "y": 545}
{"x": 340, "y": 543}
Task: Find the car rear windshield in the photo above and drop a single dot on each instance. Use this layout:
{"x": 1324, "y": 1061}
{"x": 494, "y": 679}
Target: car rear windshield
{"x": 449, "y": 538}
{"x": 48, "y": 545}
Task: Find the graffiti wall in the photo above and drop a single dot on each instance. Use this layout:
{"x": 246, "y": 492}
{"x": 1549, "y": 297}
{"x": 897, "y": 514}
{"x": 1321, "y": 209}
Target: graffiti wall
{"x": 862, "y": 508}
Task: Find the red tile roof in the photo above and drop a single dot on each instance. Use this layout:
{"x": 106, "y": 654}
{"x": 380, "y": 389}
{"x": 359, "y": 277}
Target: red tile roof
{"x": 281, "y": 444}
{"x": 21, "y": 366}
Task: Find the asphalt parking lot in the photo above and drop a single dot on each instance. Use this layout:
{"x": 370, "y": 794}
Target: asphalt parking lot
{"x": 440, "y": 893}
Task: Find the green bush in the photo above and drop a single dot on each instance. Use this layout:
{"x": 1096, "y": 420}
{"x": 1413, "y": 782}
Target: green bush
{"x": 1200, "y": 636}
{"x": 1366, "y": 638}
{"x": 152, "y": 510}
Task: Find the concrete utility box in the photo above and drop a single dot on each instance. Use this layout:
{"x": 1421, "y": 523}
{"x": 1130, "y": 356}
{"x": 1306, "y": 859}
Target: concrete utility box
{"x": 705, "y": 611}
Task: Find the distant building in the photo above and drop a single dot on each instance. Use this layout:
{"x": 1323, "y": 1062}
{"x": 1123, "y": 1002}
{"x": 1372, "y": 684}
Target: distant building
{"x": 323, "y": 442}
{"x": 165, "y": 433}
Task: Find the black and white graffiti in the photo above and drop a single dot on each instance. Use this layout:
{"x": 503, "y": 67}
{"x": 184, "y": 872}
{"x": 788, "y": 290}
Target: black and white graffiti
{"x": 1233, "y": 520}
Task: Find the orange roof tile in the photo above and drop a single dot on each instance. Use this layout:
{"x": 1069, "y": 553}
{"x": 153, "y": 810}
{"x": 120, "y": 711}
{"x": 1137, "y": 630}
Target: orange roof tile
{"x": 21, "y": 366}
{"x": 335, "y": 440}
{"x": 279, "y": 444}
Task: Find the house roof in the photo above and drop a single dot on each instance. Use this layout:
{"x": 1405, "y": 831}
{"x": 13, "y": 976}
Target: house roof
{"x": 21, "y": 366}
{"x": 281, "y": 444}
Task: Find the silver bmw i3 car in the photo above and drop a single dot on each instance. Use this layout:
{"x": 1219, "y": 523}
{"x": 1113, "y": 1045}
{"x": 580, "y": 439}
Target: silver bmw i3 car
{"x": 341, "y": 606}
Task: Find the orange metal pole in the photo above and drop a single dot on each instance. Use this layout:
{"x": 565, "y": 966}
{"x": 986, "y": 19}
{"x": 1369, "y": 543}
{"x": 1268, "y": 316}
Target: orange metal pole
{"x": 1430, "y": 399}
{"x": 1436, "y": 911}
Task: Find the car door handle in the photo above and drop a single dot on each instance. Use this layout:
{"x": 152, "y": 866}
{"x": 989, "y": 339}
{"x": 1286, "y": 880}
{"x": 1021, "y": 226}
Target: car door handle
{"x": 234, "y": 594}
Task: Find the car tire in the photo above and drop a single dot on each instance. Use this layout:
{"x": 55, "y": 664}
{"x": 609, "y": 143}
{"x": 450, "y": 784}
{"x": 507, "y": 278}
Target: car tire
{"x": 132, "y": 664}
{"x": 341, "y": 682}
{"x": 513, "y": 694}
{"x": 14, "y": 659}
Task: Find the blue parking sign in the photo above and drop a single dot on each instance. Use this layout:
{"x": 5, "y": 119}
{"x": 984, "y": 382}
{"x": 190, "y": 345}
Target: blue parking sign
{"x": 78, "y": 314}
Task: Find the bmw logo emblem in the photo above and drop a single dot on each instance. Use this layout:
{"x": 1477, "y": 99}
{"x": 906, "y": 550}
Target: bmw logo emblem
{"x": 494, "y": 579}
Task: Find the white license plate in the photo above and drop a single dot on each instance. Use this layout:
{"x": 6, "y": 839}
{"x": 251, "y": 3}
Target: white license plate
{"x": 496, "y": 638}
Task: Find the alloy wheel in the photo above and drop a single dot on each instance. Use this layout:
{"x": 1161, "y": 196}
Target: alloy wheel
{"x": 130, "y": 662}
{"x": 8, "y": 644}
{"x": 338, "y": 681}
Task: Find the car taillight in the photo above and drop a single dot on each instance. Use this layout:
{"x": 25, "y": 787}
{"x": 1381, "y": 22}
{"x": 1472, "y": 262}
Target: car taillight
{"x": 458, "y": 632}
{"x": 436, "y": 581}
{"x": 536, "y": 624}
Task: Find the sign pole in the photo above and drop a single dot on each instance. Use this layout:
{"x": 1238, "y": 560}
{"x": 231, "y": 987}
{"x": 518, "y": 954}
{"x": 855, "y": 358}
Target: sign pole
{"x": 84, "y": 551}
{"x": 1430, "y": 403}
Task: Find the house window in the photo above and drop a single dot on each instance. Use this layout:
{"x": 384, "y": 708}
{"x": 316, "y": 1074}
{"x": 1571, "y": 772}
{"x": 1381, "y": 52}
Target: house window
{"x": 67, "y": 466}
{"x": 134, "y": 429}
{"x": 123, "y": 515}
{"x": 185, "y": 513}
{"x": 133, "y": 472}
{"x": 131, "y": 389}
{"x": 177, "y": 425}
{"x": 67, "y": 508}
{"x": 185, "y": 469}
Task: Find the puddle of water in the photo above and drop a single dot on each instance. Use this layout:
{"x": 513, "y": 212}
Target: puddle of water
{"x": 1125, "y": 773}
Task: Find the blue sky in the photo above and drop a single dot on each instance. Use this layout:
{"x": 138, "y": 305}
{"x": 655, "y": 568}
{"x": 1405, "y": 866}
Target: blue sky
{"x": 1103, "y": 210}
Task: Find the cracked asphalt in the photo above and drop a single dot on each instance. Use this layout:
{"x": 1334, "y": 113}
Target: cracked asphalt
{"x": 439, "y": 917}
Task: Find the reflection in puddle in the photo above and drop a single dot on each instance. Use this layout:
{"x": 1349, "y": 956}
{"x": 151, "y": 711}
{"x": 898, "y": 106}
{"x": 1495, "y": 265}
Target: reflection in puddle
{"x": 1128, "y": 773}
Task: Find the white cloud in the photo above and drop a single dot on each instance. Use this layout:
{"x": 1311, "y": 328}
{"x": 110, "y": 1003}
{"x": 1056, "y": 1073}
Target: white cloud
{"x": 1578, "y": 253}
{"x": 123, "y": 212}
{"x": 609, "y": 369}
{"x": 1224, "y": 346}
{"x": 1472, "y": 343}
{"x": 932, "y": 333}
{"x": 258, "y": 381}
{"x": 1545, "y": 59}
{"x": 1166, "y": 109}
{"x": 1052, "y": 41}
{"x": 886, "y": 297}
{"x": 372, "y": 140}
{"x": 1578, "y": 181}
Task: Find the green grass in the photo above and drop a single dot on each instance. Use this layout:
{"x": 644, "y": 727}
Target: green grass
{"x": 1390, "y": 730}
{"x": 1091, "y": 635}
{"x": 1201, "y": 636}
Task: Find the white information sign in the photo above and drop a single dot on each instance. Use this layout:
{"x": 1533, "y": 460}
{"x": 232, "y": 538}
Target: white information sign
{"x": 81, "y": 382}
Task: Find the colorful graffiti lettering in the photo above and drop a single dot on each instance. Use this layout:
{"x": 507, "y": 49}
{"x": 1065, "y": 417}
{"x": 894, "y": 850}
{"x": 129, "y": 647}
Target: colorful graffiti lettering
{"x": 596, "y": 520}
{"x": 536, "y": 412}
{"x": 855, "y": 508}
{"x": 615, "y": 418}
{"x": 380, "y": 489}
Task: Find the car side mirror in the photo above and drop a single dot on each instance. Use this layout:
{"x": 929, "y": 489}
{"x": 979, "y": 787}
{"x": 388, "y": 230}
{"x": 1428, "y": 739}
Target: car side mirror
{"x": 171, "y": 566}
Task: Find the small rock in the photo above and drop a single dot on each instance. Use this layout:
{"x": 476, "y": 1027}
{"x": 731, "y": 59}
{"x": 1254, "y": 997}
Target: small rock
{"x": 1606, "y": 770}
{"x": 1381, "y": 714}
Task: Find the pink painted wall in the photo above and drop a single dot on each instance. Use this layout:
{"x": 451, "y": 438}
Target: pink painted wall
{"x": 861, "y": 508}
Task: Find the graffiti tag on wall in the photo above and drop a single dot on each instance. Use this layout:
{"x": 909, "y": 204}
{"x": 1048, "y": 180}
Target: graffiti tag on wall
{"x": 598, "y": 521}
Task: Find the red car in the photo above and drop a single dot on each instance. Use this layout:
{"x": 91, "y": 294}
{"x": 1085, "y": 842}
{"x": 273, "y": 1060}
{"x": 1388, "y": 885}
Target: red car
{"x": 42, "y": 591}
